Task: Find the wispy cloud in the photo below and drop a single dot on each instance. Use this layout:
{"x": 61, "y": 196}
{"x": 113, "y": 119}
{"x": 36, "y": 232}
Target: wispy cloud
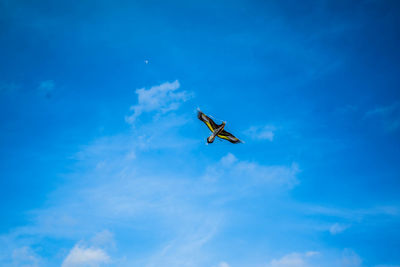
{"x": 338, "y": 228}
{"x": 349, "y": 108}
{"x": 117, "y": 195}
{"x": 8, "y": 87}
{"x": 346, "y": 218}
{"x": 161, "y": 99}
{"x": 187, "y": 249}
{"x": 352, "y": 214}
{"x": 389, "y": 115}
{"x": 25, "y": 256}
{"x": 293, "y": 260}
{"x": 350, "y": 259}
{"x": 382, "y": 110}
{"x": 46, "y": 88}
{"x": 266, "y": 132}
{"x": 345, "y": 258}
{"x": 247, "y": 174}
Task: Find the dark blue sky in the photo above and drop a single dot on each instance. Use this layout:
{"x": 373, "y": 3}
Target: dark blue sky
{"x": 312, "y": 88}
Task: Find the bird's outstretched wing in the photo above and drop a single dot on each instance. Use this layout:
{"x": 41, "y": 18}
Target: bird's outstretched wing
{"x": 207, "y": 120}
{"x": 228, "y": 136}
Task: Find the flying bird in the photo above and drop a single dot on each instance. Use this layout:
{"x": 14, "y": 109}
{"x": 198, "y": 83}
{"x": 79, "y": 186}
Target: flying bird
{"x": 217, "y": 130}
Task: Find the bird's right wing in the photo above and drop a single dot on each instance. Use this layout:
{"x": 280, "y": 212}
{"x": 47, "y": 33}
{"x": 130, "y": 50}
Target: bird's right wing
{"x": 207, "y": 120}
{"x": 228, "y": 136}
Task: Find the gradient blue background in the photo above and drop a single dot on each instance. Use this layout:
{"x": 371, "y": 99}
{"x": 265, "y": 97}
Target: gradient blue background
{"x": 324, "y": 76}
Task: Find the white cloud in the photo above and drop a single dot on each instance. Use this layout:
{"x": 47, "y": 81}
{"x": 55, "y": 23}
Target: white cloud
{"x": 338, "y": 228}
{"x": 266, "y": 132}
{"x": 293, "y": 260}
{"x": 103, "y": 239}
{"x": 26, "y": 257}
{"x": 81, "y": 256}
{"x": 352, "y": 214}
{"x": 311, "y": 253}
{"x": 347, "y": 258}
{"x": 228, "y": 160}
{"x": 161, "y": 98}
{"x": 223, "y": 264}
{"x": 350, "y": 259}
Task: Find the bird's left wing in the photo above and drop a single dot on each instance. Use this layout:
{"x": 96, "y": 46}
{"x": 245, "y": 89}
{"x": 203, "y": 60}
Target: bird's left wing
{"x": 228, "y": 136}
{"x": 207, "y": 120}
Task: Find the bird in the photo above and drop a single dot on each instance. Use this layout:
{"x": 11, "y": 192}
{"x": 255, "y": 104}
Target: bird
{"x": 217, "y": 130}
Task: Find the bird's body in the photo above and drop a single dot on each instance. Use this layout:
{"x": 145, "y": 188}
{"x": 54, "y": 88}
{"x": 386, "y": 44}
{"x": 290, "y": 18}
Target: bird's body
{"x": 217, "y": 130}
{"x": 215, "y": 133}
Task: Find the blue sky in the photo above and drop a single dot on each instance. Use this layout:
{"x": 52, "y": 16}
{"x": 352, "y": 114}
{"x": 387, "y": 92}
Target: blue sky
{"x": 104, "y": 163}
